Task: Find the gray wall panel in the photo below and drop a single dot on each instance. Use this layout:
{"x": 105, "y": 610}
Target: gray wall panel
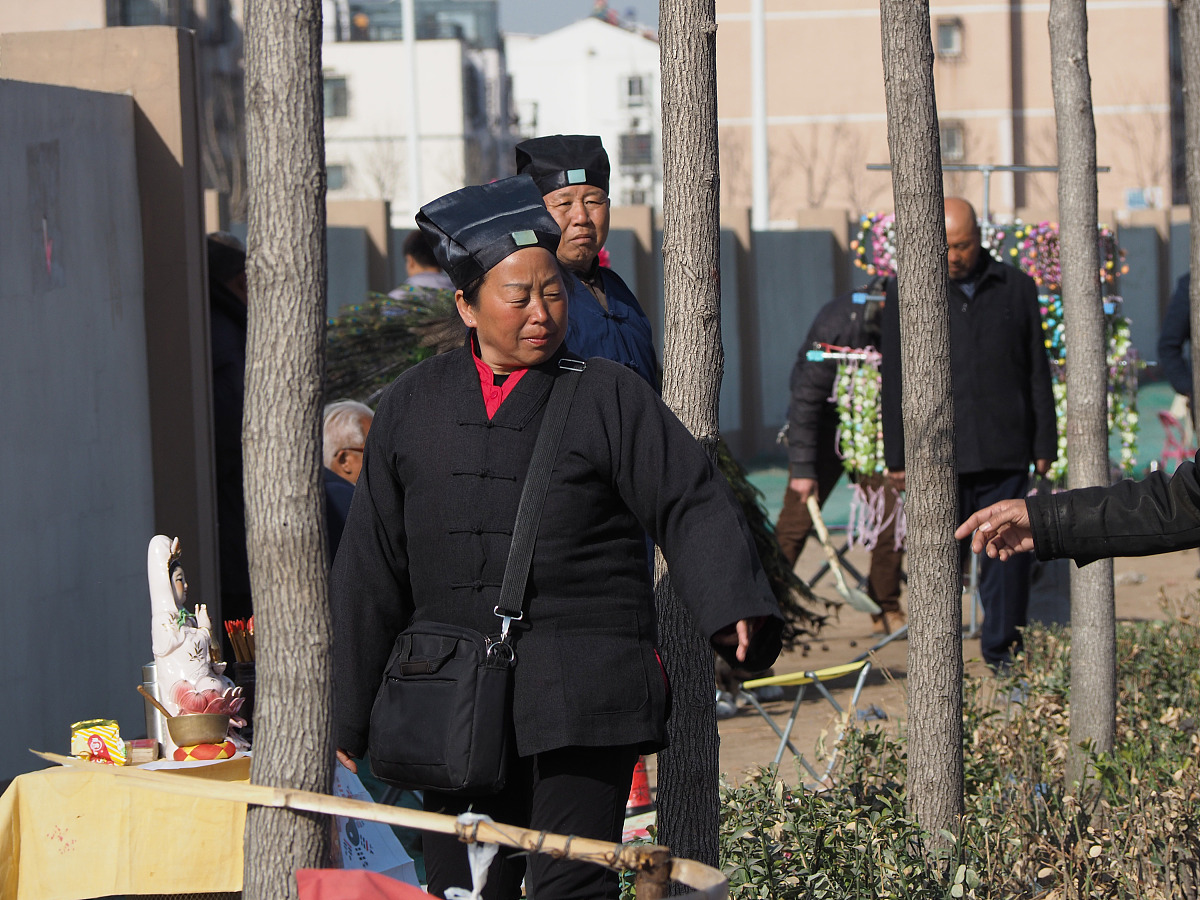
{"x": 1140, "y": 288}
{"x": 731, "y": 382}
{"x": 347, "y": 250}
{"x": 794, "y": 280}
{"x": 79, "y": 508}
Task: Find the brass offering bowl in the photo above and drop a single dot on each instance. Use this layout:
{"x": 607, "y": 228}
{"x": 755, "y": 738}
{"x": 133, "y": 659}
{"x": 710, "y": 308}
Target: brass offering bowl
{"x": 198, "y": 728}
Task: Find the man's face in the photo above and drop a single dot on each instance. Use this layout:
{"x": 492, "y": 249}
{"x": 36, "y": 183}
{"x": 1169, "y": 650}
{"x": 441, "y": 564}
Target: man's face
{"x": 581, "y": 211}
{"x": 349, "y": 459}
{"x": 963, "y": 241}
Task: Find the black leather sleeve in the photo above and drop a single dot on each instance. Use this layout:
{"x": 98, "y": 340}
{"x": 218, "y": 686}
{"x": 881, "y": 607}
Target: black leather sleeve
{"x": 1131, "y": 518}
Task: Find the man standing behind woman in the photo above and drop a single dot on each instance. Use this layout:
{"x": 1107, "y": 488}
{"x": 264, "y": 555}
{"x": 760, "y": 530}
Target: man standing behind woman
{"x": 571, "y": 171}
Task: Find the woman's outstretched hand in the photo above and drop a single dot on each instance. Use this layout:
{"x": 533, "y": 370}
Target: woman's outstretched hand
{"x": 738, "y": 634}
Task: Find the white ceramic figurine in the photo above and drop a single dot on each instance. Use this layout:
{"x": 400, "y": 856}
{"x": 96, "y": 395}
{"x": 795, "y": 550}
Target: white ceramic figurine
{"x": 190, "y": 677}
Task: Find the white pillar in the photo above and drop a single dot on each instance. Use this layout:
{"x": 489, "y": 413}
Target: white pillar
{"x": 760, "y": 213}
{"x": 414, "y": 128}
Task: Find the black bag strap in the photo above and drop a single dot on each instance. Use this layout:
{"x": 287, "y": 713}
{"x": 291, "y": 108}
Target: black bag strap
{"x": 529, "y": 511}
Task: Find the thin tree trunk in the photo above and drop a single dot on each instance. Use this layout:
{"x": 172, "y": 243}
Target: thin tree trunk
{"x": 1189, "y": 50}
{"x": 281, "y": 437}
{"x": 1093, "y": 624}
{"x": 692, "y": 365}
{"x": 935, "y": 762}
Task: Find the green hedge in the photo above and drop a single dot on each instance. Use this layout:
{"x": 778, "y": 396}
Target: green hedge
{"x": 1135, "y": 833}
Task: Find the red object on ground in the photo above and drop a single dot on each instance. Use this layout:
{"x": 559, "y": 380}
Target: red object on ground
{"x": 639, "y": 790}
{"x": 353, "y": 884}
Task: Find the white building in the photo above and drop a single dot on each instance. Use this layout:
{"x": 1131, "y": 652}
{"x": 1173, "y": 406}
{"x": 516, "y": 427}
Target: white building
{"x": 593, "y": 77}
{"x": 463, "y": 120}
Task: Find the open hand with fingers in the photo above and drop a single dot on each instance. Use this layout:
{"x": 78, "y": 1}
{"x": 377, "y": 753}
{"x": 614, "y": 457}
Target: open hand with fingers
{"x": 1001, "y": 530}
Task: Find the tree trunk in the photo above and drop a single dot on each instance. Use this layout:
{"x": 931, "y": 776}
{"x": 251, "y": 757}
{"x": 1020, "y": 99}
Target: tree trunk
{"x": 1189, "y": 50}
{"x": 281, "y": 437}
{"x": 1093, "y": 625}
{"x": 692, "y": 365}
{"x": 935, "y": 762}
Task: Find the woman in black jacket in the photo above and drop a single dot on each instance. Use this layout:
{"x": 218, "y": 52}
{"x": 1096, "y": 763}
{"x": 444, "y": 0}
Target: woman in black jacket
{"x": 428, "y": 535}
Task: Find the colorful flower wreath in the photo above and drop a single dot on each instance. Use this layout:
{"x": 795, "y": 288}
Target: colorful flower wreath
{"x": 856, "y": 393}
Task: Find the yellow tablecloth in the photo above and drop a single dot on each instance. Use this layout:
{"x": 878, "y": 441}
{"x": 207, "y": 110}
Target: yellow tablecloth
{"x": 71, "y": 834}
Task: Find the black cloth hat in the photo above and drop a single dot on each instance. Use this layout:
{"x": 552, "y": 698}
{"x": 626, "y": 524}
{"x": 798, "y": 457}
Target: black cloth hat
{"x": 561, "y": 160}
{"x": 474, "y": 228}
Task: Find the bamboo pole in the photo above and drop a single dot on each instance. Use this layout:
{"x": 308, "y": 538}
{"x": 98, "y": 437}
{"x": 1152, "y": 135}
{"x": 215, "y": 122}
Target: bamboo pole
{"x": 653, "y": 864}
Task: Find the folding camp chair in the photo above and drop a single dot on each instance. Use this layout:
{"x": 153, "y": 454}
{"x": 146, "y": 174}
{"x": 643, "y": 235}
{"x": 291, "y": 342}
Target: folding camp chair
{"x": 817, "y": 678}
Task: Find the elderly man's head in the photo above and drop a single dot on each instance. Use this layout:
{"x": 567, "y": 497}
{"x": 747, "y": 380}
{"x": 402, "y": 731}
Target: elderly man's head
{"x": 962, "y": 237}
{"x": 345, "y": 436}
{"x": 572, "y": 172}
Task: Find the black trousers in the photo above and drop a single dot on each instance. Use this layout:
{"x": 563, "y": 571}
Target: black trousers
{"x": 1003, "y": 586}
{"x": 579, "y": 791}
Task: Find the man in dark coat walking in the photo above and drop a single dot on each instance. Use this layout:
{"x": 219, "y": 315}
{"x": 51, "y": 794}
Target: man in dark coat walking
{"x": 1003, "y": 405}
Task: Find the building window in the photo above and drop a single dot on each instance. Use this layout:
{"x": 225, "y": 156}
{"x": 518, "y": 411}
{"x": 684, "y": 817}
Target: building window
{"x": 335, "y": 177}
{"x": 336, "y": 97}
{"x": 949, "y": 37}
{"x": 637, "y": 197}
{"x": 637, "y": 149}
{"x": 635, "y": 91}
{"x": 954, "y": 145}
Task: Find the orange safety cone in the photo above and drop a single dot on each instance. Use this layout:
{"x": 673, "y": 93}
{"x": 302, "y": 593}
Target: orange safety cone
{"x": 639, "y": 791}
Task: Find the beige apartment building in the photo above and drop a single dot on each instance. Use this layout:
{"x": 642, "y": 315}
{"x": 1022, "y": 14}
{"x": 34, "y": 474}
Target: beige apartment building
{"x": 826, "y": 116}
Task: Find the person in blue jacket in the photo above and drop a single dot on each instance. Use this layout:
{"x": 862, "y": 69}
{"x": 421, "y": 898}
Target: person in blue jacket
{"x": 606, "y": 320}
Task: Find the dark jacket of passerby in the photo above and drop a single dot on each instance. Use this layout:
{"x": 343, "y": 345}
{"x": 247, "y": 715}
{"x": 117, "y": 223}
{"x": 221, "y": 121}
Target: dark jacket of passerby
{"x": 228, "y": 322}
{"x": 1131, "y": 518}
{"x": 812, "y": 418}
{"x": 1175, "y": 333}
{"x": 1003, "y": 404}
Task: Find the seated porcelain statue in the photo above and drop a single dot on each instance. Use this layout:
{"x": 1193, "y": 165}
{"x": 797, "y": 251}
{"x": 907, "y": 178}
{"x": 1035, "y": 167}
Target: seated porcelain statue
{"x": 191, "y": 676}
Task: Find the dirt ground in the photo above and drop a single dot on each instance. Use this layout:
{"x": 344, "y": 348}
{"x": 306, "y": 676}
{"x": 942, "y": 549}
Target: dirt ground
{"x": 747, "y": 741}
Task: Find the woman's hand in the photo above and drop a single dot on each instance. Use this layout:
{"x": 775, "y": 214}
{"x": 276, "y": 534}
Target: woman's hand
{"x": 345, "y": 759}
{"x": 738, "y": 633}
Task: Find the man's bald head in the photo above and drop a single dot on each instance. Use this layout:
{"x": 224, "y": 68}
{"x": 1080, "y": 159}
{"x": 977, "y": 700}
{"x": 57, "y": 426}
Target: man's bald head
{"x": 962, "y": 237}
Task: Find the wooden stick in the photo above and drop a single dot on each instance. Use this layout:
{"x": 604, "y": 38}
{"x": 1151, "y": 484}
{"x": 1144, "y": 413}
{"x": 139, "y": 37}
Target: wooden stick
{"x": 642, "y": 858}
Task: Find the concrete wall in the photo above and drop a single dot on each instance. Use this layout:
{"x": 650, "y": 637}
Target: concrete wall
{"x": 1142, "y": 291}
{"x": 373, "y": 218}
{"x": 58, "y": 14}
{"x": 77, "y": 488}
{"x": 349, "y": 253}
{"x": 156, "y": 66}
{"x": 794, "y": 279}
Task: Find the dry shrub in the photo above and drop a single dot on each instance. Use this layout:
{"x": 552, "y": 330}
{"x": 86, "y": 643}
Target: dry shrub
{"x": 1133, "y": 831}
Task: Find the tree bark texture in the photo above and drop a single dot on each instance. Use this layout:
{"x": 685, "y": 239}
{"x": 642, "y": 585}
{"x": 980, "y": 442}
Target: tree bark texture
{"x": 692, "y": 365}
{"x": 1093, "y": 623}
{"x": 1189, "y": 49}
{"x": 935, "y": 667}
{"x": 281, "y": 437}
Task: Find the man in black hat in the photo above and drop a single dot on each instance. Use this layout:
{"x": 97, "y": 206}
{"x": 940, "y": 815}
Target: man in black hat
{"x": 605, "y": 318}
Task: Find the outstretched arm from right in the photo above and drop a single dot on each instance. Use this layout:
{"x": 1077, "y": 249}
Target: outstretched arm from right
{"x": 1001, "y": 530}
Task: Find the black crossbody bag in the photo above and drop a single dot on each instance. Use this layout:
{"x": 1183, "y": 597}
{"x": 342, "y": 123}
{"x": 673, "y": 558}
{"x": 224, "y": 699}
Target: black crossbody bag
{"x": 442, "y": 718}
